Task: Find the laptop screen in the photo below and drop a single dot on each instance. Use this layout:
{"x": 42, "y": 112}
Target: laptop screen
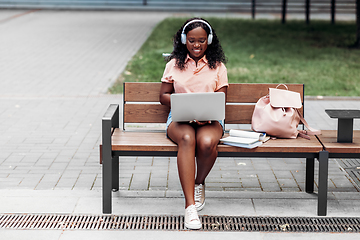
{"x": 197, "y": 106}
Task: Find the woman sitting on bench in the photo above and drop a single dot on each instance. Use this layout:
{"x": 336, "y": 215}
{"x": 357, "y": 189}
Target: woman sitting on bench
{"x": 195, "y": 65}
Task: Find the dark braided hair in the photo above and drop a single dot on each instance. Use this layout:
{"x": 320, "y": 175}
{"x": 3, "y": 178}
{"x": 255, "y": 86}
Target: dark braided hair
{"x": 214, "y": 52}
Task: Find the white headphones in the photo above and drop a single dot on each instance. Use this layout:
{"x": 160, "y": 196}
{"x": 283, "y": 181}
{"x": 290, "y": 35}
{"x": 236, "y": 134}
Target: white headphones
{"x": 183, "y": 35}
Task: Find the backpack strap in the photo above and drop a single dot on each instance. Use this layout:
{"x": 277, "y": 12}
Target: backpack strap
{"x": 311, "y": 131}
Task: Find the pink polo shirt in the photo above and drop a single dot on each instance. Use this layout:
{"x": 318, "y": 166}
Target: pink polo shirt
{"x": 195, "y": 78}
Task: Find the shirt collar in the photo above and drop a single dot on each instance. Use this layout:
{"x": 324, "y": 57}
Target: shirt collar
{"x": 204, "y": 59}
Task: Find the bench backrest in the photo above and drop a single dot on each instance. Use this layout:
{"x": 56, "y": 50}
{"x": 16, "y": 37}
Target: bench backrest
{"x": 141, "y": 101}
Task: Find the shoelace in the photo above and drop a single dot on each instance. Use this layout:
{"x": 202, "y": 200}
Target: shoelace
{"x": 198, "y": 192}
{"x": 192, "y": 213}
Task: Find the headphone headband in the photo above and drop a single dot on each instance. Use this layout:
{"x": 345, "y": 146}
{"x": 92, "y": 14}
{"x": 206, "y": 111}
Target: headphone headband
{"x": 183, "y": 35}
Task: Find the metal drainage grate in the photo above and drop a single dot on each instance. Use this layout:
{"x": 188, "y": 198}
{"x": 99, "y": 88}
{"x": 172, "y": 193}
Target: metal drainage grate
{"x": 172, "y": 223}
{"x": 352, "y": 167}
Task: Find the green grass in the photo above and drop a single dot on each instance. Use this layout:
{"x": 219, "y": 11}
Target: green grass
{"x": 266, "y": 51}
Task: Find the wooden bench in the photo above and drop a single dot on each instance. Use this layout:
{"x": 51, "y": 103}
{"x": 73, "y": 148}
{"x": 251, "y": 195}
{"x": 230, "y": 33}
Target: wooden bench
{"x": 141, "y": 105}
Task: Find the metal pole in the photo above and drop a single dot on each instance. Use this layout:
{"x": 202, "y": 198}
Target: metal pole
{"x": 253, "y": 8}
{"x": 333, "y": 11}
{"x": 307, "y": 11}
{"x": 284, "y": 6}
{"x": 357, "y": 42}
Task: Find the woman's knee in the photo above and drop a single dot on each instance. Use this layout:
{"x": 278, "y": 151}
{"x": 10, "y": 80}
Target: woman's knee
{"x": 187, "y": 139}
{"x": 182, "y": 134}
{"x": 206, "y": 144}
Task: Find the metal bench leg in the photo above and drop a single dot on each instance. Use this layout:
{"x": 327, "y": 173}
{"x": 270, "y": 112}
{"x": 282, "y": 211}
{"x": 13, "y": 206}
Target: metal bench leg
{"x": 310, "y": 171}
{"x": 106, "y": 186}
{"x": 115, "y": 174}
{"x": 323, "y": 182}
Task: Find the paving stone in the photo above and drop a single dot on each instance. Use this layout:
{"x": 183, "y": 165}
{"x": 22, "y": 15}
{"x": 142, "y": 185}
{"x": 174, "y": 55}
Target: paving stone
{"x": 288, "y": 183}
{"x": 162, "y": 173}
{"x": 140, "y": 181}
{"x": 85, "y": 181}
{"x": 283, "y": 174}
{"x": 223, "y": 185}
{"x": 157, "y": 182}
{"x": 221, "y": 180}
{"x": 250, "y": 182}
{"x": 49, "y": 181}
{"x": 65, "y": 183}
{"x": 290, "y": 189}
{"x": 266, "y": 178}
{"x": 270, "y": 187}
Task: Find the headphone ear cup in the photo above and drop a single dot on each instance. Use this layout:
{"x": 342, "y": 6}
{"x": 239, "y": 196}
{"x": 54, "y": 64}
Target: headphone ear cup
{"x": 210, "y": 38}
{"x": 183, "y": 38}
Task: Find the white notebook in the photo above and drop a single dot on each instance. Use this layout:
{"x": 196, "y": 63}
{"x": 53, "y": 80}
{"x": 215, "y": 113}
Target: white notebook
{"x": 245, "y": 139}
{"x": 197, "y": 106}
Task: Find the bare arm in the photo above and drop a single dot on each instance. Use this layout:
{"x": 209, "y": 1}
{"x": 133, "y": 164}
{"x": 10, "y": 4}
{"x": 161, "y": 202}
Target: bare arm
{"x": 165, "y": 91}
{"x": 224, "y": 90}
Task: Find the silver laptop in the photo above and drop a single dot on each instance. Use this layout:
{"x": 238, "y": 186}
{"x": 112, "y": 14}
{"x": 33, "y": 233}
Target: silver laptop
{"x": 197, "y": 106}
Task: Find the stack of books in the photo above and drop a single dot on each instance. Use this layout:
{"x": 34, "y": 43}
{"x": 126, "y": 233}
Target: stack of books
{"x": 244, "y": 139}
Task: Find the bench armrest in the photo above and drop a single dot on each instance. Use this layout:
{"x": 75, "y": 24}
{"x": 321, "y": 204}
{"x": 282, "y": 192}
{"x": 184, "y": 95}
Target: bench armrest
{"x": 112, "y": 115}
{"x": 110, "y": 121}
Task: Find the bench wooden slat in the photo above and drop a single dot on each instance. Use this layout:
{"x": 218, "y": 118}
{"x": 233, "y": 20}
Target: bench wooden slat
{"x": 144, "y": 92}
{"x": 155, "y": 113}
{"x": 329, "y": 140}
{"x": 142, "y": 141}
{"x": 145, "y": 113}
{"x": 241, "y": 114}
{"x": 251, "y": 92}
{"x": 238, "y": 114}
{"x": 157, "y": 141}
{"x": 237, "y": 92}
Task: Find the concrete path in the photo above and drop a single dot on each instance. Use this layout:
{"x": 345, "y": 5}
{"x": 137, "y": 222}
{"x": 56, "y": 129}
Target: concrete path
{"x": 55, "y": 69}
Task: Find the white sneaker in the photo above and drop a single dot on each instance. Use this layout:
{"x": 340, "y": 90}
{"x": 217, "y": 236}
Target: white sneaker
{"x": 199, "y": 196}
{"x": 192, "y": 220}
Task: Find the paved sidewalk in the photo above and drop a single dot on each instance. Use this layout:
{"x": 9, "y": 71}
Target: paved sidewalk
{"x": 55, "y": 69}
